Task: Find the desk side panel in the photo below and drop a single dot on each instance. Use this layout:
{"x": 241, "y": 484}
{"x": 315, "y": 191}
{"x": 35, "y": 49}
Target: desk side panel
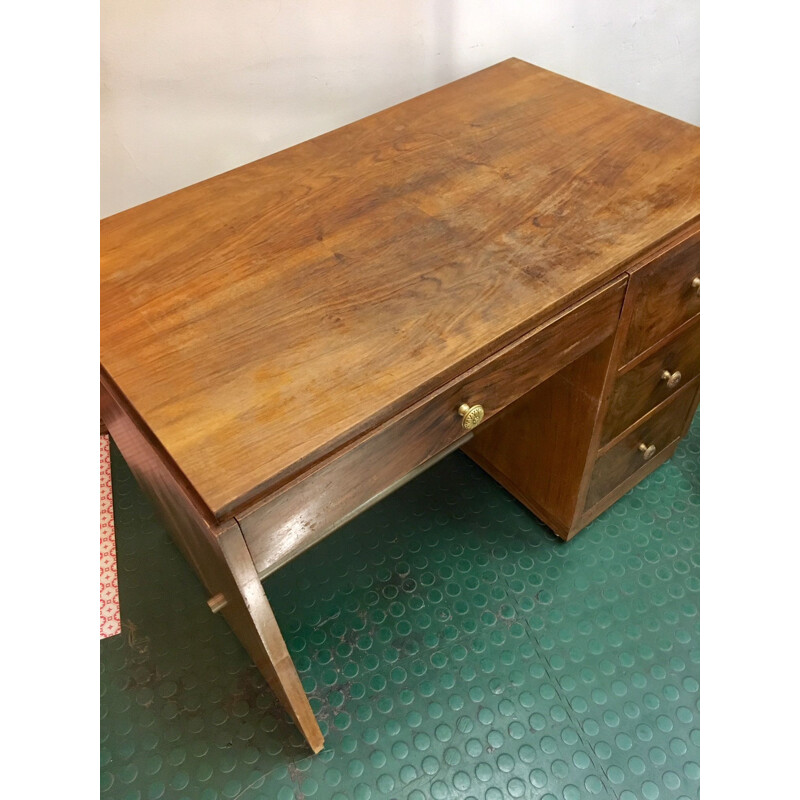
{"x": 539, "y": 447}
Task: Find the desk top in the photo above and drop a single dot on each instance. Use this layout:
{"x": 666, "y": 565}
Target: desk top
{"x": 265, "y": 317}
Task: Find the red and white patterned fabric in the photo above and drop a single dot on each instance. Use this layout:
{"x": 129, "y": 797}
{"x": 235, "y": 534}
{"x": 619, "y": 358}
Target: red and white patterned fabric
{"x": 109, "y": 596}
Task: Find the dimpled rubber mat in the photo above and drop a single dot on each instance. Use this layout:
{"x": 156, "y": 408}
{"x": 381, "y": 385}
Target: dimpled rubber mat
{"x": 452, "y": 647}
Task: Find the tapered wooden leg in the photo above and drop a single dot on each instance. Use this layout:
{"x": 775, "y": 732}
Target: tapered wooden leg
{"x": 250, "y": 616}
{"x": 219, "y": 556}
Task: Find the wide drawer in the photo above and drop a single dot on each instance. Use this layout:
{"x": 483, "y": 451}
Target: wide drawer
{"x": 663, "y": 295}
{"x": 644, "y": 442}
{"x": 311, "y": 506}
{"x": 650, "y": 382}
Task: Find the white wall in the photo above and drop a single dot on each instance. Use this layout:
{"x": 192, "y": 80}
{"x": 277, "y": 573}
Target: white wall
{"x": 191, "y": 88}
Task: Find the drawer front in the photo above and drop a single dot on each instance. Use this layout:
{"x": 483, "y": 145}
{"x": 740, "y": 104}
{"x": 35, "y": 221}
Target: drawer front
{"x": 641, "y": 388}
{"x": 630, "y": 454}
{"x": 311, "y": 506}
{"x": 663, "y": 296}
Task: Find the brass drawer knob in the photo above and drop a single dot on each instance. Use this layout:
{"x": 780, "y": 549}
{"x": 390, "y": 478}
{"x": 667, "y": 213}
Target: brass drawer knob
{"x": 471, "y": 416}
{"x": 672, "y": 378}
{"x": 696, "y": 285}
{"x": 647, "y": 452}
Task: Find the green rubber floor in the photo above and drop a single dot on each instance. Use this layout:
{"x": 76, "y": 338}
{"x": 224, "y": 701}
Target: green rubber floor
{"x": 452, "y": 647}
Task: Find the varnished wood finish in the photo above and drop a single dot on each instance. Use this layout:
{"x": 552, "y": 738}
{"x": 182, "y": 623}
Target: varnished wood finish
{"x": 661, "y": 428}
{"x": 593, "y": 511}
{"x": 662, "y": 297}
{"x": 249, "y": 614}
{"x": 297, "y": 516}
{"x": 676, "y": 242}
{"x": 538, "y": 447}
{"x": 218, "y": 555}
{"x": 543, "y": 449}
{"x": 262, "y": 319}
{"x": 640, "y": 387}
{"x": 283, "y": 343}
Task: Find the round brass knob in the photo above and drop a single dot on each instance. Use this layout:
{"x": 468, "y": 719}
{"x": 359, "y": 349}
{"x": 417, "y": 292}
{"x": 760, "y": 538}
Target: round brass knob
{"x": 647, "y": 452}
{"x": 696, "y": 285}
{"x": 672, "y": 378}
{"x": 471, "y": 416}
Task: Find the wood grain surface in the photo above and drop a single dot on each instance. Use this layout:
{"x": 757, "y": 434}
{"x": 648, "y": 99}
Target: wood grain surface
{"x": 591, "y": 512}
{"x": 660, "y": 428}
{"x": 641, "y": 386}
{"x": 260, "y": 320}
{"x": 544, "y": 446}
{"x": 301, "y": 513}
{"x": 539, "y": 447}
{"x": 662, "y": 296}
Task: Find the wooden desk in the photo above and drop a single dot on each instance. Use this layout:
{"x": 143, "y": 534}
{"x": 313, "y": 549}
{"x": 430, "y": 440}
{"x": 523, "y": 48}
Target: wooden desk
{"x": 284, "y": 343}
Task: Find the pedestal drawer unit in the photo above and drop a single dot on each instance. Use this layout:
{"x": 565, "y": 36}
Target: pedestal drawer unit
{"x": 577, "y": 442}
{"x": 654, "y": 391}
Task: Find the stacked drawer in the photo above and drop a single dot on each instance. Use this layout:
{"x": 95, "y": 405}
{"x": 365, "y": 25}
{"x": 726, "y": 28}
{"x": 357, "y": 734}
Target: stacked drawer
{"x": 655, "y": 388}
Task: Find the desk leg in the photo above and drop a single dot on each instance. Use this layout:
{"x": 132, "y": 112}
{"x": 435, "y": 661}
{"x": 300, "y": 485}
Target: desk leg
{"x": 250, "y": 616}
{"x": 219, "y": 556}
